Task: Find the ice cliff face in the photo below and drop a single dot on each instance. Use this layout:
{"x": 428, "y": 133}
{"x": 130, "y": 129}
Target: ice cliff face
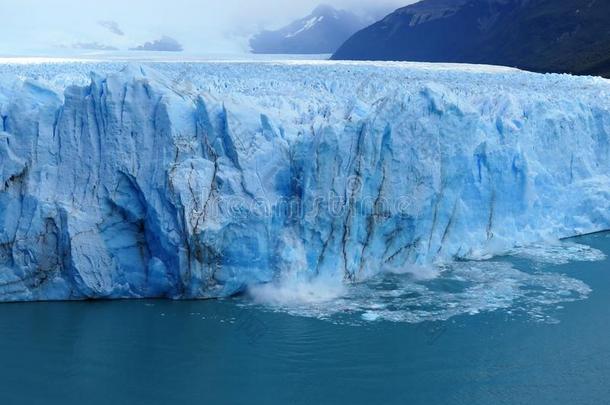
{"x": 196, "y": 180}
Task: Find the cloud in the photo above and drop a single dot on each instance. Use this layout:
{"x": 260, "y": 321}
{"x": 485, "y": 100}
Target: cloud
{"x": 94, "y": 46}
{"x": 111, "y": 26}
{"x": 165, "y": 44}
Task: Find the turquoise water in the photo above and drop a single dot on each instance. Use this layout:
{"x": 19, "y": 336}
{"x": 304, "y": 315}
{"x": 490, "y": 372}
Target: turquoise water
{"x": 531, "y": 346}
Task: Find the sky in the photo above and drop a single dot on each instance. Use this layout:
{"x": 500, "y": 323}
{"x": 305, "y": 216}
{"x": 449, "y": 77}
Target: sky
{"x": 199, "y": 26}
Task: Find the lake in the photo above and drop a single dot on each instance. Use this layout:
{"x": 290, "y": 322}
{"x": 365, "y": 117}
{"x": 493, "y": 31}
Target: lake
{"x": 533, "y": 328}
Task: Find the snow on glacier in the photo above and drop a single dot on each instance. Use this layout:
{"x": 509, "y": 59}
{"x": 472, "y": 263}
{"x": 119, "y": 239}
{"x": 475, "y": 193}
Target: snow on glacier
{"x": 195, "y": 180}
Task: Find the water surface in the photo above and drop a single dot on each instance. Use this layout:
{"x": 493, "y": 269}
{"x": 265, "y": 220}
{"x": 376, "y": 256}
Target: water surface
{"x": 545, "y": 341}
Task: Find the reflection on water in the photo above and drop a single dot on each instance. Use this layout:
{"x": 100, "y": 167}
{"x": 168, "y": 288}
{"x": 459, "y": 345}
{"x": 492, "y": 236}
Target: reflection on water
{"x": 512, "y": 330}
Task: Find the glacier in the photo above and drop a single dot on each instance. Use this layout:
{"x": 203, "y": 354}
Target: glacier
{"x": 197, "y": 180}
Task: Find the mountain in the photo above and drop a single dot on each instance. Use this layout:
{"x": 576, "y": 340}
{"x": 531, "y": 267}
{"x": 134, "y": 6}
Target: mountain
{"x": 323, "y": 31}
{"x": 197, "y": 180}
{"x": 570, "y": 36}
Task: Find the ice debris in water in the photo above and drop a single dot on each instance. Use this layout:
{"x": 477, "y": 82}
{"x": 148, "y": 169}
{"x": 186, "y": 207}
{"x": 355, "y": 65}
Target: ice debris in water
{"x": 462, "y": 288}
{"x": 556, "y": 253}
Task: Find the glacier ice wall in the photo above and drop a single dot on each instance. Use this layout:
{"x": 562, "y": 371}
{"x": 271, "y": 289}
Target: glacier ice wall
{"x": 195, "y": 180}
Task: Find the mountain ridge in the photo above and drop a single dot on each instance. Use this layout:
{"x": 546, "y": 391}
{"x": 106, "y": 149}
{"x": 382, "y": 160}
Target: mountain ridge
{"x": 322, "y": 31}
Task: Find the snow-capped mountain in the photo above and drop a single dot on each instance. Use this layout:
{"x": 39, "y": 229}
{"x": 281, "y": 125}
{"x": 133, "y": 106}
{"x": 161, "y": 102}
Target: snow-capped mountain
{"x": 191, "y": 180}
{"x": 323, "y": 31}
{"x": 540, "y": 35}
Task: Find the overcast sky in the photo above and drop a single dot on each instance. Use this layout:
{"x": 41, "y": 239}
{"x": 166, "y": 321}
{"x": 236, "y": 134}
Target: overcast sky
{"x": 201, "y": 26}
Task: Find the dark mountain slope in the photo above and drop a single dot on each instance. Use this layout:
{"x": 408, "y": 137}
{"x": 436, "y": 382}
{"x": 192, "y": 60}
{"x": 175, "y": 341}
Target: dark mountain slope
{"x": 541, "y": 35}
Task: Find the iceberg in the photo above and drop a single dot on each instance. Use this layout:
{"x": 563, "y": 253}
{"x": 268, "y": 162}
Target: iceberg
{"x": 197, "y": 180}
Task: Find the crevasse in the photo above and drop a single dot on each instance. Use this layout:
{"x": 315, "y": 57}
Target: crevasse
{"x": 195, "y": 180}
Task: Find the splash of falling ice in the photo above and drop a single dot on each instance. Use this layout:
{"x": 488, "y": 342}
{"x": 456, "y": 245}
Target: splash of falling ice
{"x": 459, "y": 288}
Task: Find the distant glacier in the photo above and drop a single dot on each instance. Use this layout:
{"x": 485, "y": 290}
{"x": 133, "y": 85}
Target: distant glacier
{"x": 196, "y": 180}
